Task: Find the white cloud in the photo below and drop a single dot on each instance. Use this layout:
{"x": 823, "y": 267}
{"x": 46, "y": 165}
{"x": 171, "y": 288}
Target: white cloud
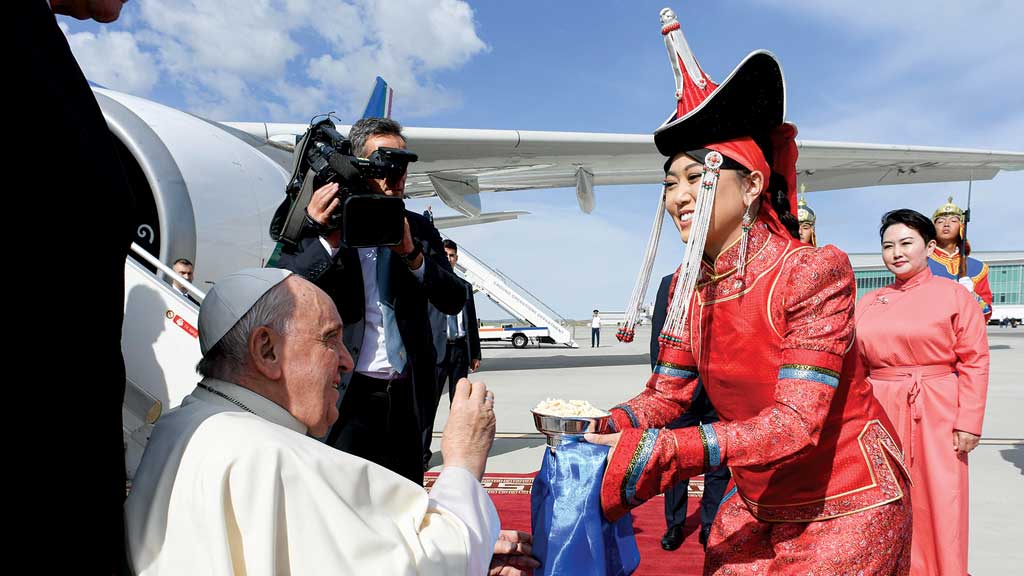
{"x": 908, "y": 34}
{"x": 268, "y": 60}
{"x": 925, "y": 73}
{"x": 920, "y": 69}
{"x": 113, "y": 59}
{"x": 438, "y": 35}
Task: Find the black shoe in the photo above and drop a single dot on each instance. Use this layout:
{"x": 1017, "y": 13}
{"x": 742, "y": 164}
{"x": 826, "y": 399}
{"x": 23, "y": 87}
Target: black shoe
{"x": 704, "y": 532}
{"x": 673, "y": 538}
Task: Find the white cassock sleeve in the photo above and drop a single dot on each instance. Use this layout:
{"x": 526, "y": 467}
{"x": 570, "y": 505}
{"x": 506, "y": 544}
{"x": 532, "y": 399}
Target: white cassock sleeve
{"x": 243, "y": 497}
{"x": 457, "y": 490}
{"x": 354, "y": 517}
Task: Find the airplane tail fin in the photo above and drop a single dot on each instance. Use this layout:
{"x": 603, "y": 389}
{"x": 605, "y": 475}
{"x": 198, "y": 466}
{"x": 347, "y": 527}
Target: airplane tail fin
{"x": 379, "y": 105}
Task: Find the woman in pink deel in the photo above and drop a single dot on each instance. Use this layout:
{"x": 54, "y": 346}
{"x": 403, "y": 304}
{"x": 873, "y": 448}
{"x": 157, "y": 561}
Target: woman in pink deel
{"x": 924, "y": 343}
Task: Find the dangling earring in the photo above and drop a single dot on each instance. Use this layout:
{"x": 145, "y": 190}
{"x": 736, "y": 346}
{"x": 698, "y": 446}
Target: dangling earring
{"x": 748, "y": 220}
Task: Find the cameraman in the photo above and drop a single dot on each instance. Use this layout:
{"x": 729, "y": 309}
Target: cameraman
{"x": 382, "y": 295}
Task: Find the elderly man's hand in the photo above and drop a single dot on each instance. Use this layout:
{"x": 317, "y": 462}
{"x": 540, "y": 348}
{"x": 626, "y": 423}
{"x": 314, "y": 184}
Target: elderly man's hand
{"x": 512, "y": 554}
{"x": 469, "y": 433}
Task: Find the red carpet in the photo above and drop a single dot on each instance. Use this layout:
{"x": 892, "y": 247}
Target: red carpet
{"x": 511, "y": 496}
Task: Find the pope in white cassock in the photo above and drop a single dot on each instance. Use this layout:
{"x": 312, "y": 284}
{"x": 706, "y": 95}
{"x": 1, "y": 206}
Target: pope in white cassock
{"x": 234, "y": 480}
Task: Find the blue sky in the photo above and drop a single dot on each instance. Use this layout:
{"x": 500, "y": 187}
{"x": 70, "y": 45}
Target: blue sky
{"x": 916, "y": 72}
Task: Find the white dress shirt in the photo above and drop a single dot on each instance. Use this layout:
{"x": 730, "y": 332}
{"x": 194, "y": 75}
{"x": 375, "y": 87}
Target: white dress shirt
{"x": 373, "y": 354}
{"x": 460, "y": 324}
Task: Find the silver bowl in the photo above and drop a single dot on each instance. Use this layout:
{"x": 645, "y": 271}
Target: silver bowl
{"x": 558, "y": 427}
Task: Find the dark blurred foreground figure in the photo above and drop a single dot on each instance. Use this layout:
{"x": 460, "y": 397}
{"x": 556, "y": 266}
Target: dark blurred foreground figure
{"x": 68, "y": 158}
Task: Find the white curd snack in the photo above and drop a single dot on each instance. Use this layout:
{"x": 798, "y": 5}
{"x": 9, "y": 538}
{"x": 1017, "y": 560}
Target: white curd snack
{"x": 570, "y": 408}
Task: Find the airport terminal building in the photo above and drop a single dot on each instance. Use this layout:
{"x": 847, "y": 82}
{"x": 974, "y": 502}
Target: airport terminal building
{"x": 1005, "y": 277}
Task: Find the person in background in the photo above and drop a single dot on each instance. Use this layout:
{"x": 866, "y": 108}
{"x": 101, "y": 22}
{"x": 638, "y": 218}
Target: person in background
{"x": 184, "y": 268}
{"x": 463, "y": 329}
{"x": 805, "y": 216}
{"x": 701, "y": 412}
{"x": 924, "y": 343}
{"x": 944, "y": 260}
{"x": 595, "y": 330}
{"x": 457, "y": 340}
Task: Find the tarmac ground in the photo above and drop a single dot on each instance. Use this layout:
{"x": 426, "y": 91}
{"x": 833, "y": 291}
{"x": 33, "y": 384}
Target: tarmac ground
{"x": 613, "y": 372}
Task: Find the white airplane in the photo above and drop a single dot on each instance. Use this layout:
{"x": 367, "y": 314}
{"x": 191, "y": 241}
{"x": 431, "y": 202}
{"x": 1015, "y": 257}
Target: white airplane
{"x": 207, "y": 190}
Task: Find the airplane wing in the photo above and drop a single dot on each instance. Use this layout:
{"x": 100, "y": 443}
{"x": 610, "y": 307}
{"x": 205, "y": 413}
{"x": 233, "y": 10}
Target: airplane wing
{"x": 457, "y": 164}
{"x": 442, "y": 222}
{"x": 837, "y": 165}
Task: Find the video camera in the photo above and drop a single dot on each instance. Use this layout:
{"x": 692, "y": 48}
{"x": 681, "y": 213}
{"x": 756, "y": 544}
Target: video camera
{"x": 365, "y": 219}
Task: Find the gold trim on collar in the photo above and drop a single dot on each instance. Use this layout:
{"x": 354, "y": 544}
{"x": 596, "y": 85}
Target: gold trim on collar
{"x": 713, "y": 265}
{"x": 714, "y": 278}
{"x": 746, "y": 288}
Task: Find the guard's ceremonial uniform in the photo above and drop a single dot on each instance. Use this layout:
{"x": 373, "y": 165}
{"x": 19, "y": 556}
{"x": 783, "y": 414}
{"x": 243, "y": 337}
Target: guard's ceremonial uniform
{"x": 947, "y": 265}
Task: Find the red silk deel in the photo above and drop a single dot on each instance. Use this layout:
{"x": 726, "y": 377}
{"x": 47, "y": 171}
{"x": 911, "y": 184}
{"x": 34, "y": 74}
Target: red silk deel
{"x": 800, "y": 428}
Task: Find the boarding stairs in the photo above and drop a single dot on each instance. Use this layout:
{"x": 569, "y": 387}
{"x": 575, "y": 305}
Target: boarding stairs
{"x": 160, "y": 344}
{"x": 513, "y": 298}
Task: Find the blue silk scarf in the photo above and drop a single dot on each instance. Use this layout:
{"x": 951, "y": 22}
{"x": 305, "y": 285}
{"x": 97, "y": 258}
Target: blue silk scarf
{"x": 570, "y": 534}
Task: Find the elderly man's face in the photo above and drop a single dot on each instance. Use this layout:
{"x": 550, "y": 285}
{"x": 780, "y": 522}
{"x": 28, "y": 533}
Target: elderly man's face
{"x": 313, "y": 360}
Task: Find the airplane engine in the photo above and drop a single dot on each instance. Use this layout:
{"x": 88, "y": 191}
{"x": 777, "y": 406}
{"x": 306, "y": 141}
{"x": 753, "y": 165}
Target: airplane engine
{"x": 203, "y": 191}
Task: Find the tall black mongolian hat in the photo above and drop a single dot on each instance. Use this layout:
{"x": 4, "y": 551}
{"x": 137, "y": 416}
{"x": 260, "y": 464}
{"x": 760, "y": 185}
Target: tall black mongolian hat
{"x": 751, "y": 101}
{"x": 743, "y": 120}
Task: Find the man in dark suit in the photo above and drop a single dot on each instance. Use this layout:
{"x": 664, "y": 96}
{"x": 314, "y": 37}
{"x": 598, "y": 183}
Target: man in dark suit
{"x": 701, "y": 412}
{"x": 457, "y": 341}
{"x": 184, "y": 268}
{"x": 463, "y": 352}
{"x": 382, "y": 295}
